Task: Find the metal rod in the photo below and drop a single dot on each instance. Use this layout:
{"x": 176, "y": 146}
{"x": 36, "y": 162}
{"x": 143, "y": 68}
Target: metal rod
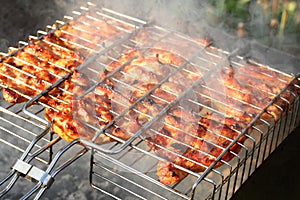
{"x": 148, "y": 124}
{"x": 246, "y": 129}
{"x": 14, "y": 177}
{"x": 136, "y": 172}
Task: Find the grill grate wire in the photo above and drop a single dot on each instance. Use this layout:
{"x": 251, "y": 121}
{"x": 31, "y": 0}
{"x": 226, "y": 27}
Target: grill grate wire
{"x": 120, "y": 164}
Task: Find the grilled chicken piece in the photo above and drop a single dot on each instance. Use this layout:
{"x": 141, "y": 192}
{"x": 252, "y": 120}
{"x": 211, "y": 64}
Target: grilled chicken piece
{"x": 173, "y": 44}
{"x": 23, "y": 58}
{"x": 55, "y": 105}
{"x": 70, "y": 129}
{"x": 34, "y": 68}
{"x": 31, "y": 85}
{"x": 12, "y": 96}
{"x": 168, "y": 174}
{"x": 41, "y": 74}
{"x": 92, "y": 28}
{"x": 168, "y": 91}
{"x": 90, "y": 33}
{"x": 66, "y": 63}
{"x": 71, "y": 122}
{"x": 241, "y": 93}
{"x": 59, "y": 47}
{"x": 125, "y": 128}
{"x": 231, "y": 106}
{"x": 166, "y": 57}
{"x": 193, "y": 142}
{"x": 65, "y": 93}
{"x": 270, "y": 84}
{"x": 140, "y": 72}
{"x": 21, "y": 82}
{"x": 39, "y": 51}
{"x": 265, "y": 74}
{"x": 125, "y": 58}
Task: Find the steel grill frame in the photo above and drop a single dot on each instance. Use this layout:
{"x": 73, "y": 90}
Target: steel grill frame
{"x": 110, "y": 162}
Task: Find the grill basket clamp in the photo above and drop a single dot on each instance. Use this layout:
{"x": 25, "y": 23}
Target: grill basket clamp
{"x": 31, "y": 172}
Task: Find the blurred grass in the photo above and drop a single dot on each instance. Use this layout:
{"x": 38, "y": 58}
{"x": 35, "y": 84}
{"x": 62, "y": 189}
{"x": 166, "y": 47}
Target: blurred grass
{"x": 275, "y": 23}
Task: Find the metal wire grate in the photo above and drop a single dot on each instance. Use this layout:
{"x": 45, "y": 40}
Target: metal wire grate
{"x": 135, "y": 166}
{"x": 127, "y": 167}
{"x": 30, "y": 134}
{"x": 17, "y": 130}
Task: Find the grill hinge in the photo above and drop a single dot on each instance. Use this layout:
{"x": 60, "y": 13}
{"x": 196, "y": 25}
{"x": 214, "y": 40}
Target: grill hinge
{"x": 32, "y": 173}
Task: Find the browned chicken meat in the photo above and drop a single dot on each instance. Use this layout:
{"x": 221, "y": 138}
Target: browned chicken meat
{"x": 140, "y": 73}
{"x": 40, "y": 63}
{"x": 32, "y": 69}
{"x": 88, "y": 34}
{"x": 137, "y": 87}
{"x": 193, "y": 142}
{"x": 242, "y": 92}
{"x": 71, "y": 125}
{"x": 75, "y": 119}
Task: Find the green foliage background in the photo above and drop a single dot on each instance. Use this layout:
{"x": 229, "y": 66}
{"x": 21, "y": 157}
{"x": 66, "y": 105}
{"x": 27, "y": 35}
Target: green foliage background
{"x": 275, "y": 23}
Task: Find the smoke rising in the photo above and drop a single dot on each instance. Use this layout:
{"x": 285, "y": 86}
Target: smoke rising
{"x": 20, "y": 18}
{"x": 177, "y": 15}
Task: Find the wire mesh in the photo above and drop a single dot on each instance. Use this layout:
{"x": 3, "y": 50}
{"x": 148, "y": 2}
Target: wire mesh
{"x": 129, "y": 167}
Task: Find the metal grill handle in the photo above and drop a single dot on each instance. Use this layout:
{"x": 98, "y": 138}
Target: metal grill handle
{"x": 44, "y": 179}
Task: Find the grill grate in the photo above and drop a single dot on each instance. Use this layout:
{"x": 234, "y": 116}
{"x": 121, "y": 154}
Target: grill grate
{"x": 127, "y": 167}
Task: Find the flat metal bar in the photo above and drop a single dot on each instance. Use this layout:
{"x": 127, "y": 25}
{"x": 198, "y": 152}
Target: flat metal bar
{"x": 244, "y": 163}
{"x": 272, "y": 133}
{"x": 236, "y": 172}
{"x": 283, "y": 124}
{"x": 289, "y": 118}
